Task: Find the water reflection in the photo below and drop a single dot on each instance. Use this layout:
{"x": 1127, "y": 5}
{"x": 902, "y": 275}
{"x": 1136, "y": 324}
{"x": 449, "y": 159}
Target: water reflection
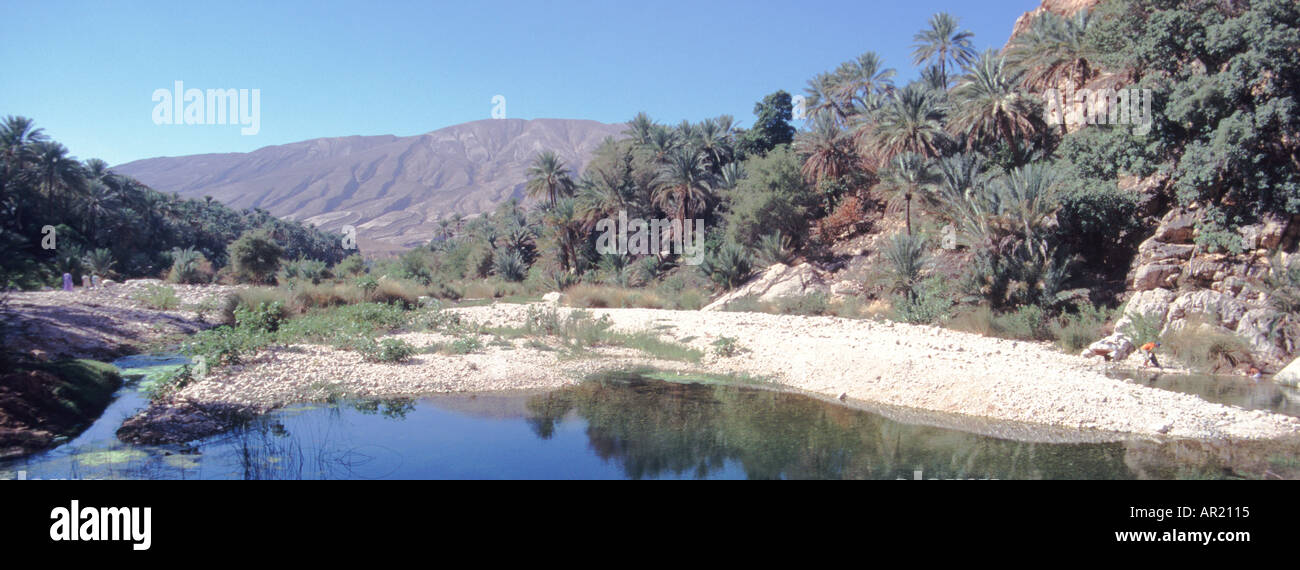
{"x": 653, "y": 429}
{"x": 628, "y": 426}
{"x": 1232, "y": 390}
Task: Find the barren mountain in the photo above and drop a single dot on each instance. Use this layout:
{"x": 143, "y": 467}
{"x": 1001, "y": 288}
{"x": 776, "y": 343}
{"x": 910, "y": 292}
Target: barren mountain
{"x": 393, "y": 189}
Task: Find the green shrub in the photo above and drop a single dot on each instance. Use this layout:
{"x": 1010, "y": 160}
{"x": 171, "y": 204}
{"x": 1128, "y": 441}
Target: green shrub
{"x": 510, "y": 266}
{"x": 189, "y": 266}
{"x": 906, "y": 256}
{"x": 351, "y": 266}
{"x": 1206, "y": 348}
{"x": 306, "y": 270}
{"x": 542, "y": 321}
{"x": 265, "y": 317}
{"x": 727, "y": 265}
{"x": 809, "y": 304}
{"x": 1029, "y": 322}
{"x": 727, "y": 346}
{"x": 159, "y": 297}
{"x": 774, "y": 248}
{"x": 255, "y": 256}
{"x": 367, "y": 284}
{"x": 1142, "y": 328}
{"x": 388, "y": 350}
{"x": 1076, "y": 331}
{"x": 925, "y": 304}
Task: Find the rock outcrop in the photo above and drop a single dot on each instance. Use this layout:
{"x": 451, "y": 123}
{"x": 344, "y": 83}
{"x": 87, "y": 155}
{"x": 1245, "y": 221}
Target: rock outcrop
{"x": 1175, "y": 281}
{"x": 781, "y": 281}
{"x": 1289, "y": 375}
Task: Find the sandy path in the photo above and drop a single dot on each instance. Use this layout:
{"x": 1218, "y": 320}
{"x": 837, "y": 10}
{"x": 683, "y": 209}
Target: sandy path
{"x": 868, "y": 363}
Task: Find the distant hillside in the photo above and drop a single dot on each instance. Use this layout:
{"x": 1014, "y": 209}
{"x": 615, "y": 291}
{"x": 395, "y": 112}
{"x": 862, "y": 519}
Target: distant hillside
{"x": 393, "y": 189}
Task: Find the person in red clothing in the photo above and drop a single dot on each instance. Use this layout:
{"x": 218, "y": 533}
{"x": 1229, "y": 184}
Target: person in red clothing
{"x": 1150, "y": 350}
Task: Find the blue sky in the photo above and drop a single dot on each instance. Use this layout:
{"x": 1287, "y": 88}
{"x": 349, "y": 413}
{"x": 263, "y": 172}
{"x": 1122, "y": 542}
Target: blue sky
{"x": 86, "y": 71}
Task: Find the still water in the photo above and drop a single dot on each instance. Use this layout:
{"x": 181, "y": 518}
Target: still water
{"x": 629, "y": 426}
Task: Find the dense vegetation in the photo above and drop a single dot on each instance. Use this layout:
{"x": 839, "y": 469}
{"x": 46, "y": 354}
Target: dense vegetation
{"x": 1037, "y": 232}
{"x": 1041, "y": 230}
{"x": 108, "y": 224}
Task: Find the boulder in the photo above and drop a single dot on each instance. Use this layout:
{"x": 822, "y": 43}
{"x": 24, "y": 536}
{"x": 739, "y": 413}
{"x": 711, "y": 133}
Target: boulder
{"x": 1114, "y": 347}
{"x": 1209, "y": 268}
{"x": 1289, "y": 376}
{"x": 1156, "y": 275}
{"x": 1152, "y": 197}
{"x": 1153, "y": 250}
{"x": 1216, "y": 308}
{"x": 553, "y": 297}
{"x": 1270, "y": 233}
{"x": 1153, "y": 303}
{"x": 1178, "y": 226}
{"x": 843, "y": 288}
{"x": 1254, "y": 327}
{"x": 777, "y": 282}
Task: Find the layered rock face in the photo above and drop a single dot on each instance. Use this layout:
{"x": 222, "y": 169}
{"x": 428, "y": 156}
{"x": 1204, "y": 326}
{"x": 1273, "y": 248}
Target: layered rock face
{"x": 1176, "y": 282}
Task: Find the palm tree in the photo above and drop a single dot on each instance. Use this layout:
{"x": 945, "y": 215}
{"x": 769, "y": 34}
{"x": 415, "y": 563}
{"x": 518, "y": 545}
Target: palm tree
{"x": 57, "y": 171}
{"x": 715, "y": 143}
{"x": 1053, "y": 52}
{"x": 96, "y": 169}
{"x": 444, "y": 228}
{"x": 943, "y": 43}
{"x": 566, "y": 228}
{"x": 639, "y": 128}
{"x": 902, "y": 181}
{"x": 99, "y": 261}
{"x": 861, "y": 78}
{"x": 730, "y": 176}
{"x": 17, "y": 134}
{"x": 1027, "y": 195}
{"x": 663, "y": 141}
{"x": 99, "y": 201}
{"x": 549, "y": 176}
{"x": 828, "y": 152}
{"x": 960, "y": 189}
{"x": 821, "y": 97}
{"x": 599, "y": 196}
{"x": 687, "y": 184}
{"x": 910, "y": 121}
{"x": 989, "y": 107}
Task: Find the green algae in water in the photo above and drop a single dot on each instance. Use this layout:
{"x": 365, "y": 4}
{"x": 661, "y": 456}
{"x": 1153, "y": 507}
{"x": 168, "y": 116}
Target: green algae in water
{"x": 111, "y": 457}
{"x": 181, "y": 461}
{"x": 701, "y": 377}
{"x": 152, "y": 376}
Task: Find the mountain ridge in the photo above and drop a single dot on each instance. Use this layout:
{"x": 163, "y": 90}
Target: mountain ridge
{"x": 391, "y": 188}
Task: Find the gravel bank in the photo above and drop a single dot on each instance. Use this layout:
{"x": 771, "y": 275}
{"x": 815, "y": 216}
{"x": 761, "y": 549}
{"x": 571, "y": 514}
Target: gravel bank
{"x": 100, "y": 323}
{"x": 864, "y": 363}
